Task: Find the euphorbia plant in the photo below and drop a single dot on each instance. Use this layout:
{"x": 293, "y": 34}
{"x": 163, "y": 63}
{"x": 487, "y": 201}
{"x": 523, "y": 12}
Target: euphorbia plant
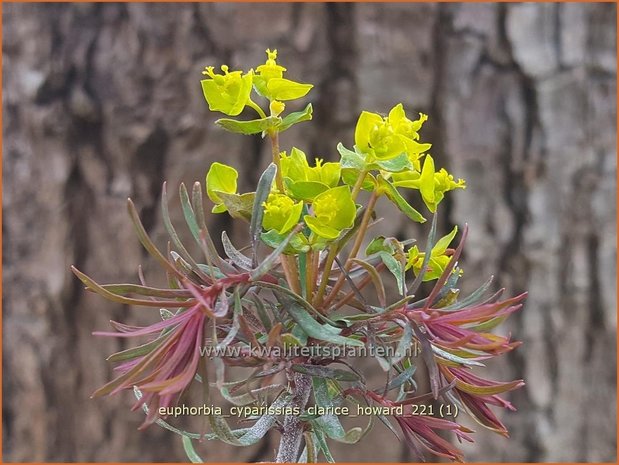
{"x": 282, "y": 304}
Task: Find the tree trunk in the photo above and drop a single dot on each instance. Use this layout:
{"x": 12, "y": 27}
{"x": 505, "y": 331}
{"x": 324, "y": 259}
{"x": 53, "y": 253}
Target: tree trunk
{"x": 102, "y": 102}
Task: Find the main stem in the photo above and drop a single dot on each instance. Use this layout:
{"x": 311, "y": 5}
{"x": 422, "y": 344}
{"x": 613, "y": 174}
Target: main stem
{"x": 288, "y": 262}
{"x": 333, "y": 249}
{"x": 355, "y": 248}
{"x": 279, "y": 180}
{"x": 293, "y": 427}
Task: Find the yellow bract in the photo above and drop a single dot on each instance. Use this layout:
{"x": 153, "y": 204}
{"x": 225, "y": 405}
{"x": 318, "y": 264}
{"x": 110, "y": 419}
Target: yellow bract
{"x": 271, "y": 69}
{"x": 430, "y": 183}
{"x": 276, "y": 107}
{"x": 270, "y": 83}
{"x": 281, "y": 213}
{"x": 228, "y": 92}
{"x": 384, "y": 138}
{"x": 409, "y": 130}
{"x": 220, "y": 179}
{"x": 438, "y": 257}
{"x": 334, "y": 210}
{"x": 305, "y": 182}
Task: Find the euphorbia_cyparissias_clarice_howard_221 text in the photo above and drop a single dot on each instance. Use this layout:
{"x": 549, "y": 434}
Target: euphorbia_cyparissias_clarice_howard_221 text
{"x": 310, "y": 278}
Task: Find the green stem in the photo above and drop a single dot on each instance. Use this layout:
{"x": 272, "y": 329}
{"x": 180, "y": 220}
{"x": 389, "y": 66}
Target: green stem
{"x": 309, "y": 275}
{"x": 279, "y": 180}
{"x": 256, "y": 107}
{"x": 355, "y": 248}
{"x": 334, "y": 248}
{"x": 288, "y": 262}
{"x": 357, "y": 187}
{"x": 326, "y": 271}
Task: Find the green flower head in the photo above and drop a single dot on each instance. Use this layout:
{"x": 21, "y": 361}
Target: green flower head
{"x": 270, "y": 83}
{"x": 439, "y": 259}
{"x": 385, "y": 138}
{"x": 305, "y": 182}
{"x": 430, "y": 183}
{"x": 409, "y": 131}
{"x": 271, "y": 69}
{"x": 334, "y": 210}
{"x": 281, "y": 213}
{"x": 404, "y": 126}
{"x": 375, "y": 137}
{"x": 433, "y": 185}
{"x": 227, "y": 92}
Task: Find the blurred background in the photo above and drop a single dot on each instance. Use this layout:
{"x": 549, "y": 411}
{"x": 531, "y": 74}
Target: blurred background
{"x": 103, "y": 101}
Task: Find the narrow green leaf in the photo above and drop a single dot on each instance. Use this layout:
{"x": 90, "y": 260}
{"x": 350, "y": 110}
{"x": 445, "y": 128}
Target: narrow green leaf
{"x": 269, "y": 262}
{"x": 325, "y": 372}
{"x": 135, "y": 352}
{"x": 403, "y": 345}
{"x": 204, "y": 240}
{"x": 426, "y": 260}
{"x": 238, "y": 258}
{"x": 146, "y": 241}
{"x": 217, "y": 274}
{"x": 125, "y": 289}
{"x": 392, "y": 193}
{"x": 402, "y": 378}
{"x": 190, "y": 451}
{"x": 454, "y": 358}
{"x": 378, "y": 283}
{"x": 262, "y": 192}
{"x": 310, "y": 447}
{"x": 197, "y": 203}
{"x": 303, "y": 274}
{"x": 188, "y": 213}
{"x": 324, "y": 447}
{"x": 175, "y": 239}
{"x": 287, "y": 296}
{"x": 472, "y": 298}
{"x": 262, "y": 314}
{"x": 168, "y": 223}
{"x": 318, "y": 331}
{"x": 396, "y": 268}
{"x": 93, "y": 286}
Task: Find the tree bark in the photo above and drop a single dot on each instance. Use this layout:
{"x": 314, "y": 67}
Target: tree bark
{"x": 102, "y": 102}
